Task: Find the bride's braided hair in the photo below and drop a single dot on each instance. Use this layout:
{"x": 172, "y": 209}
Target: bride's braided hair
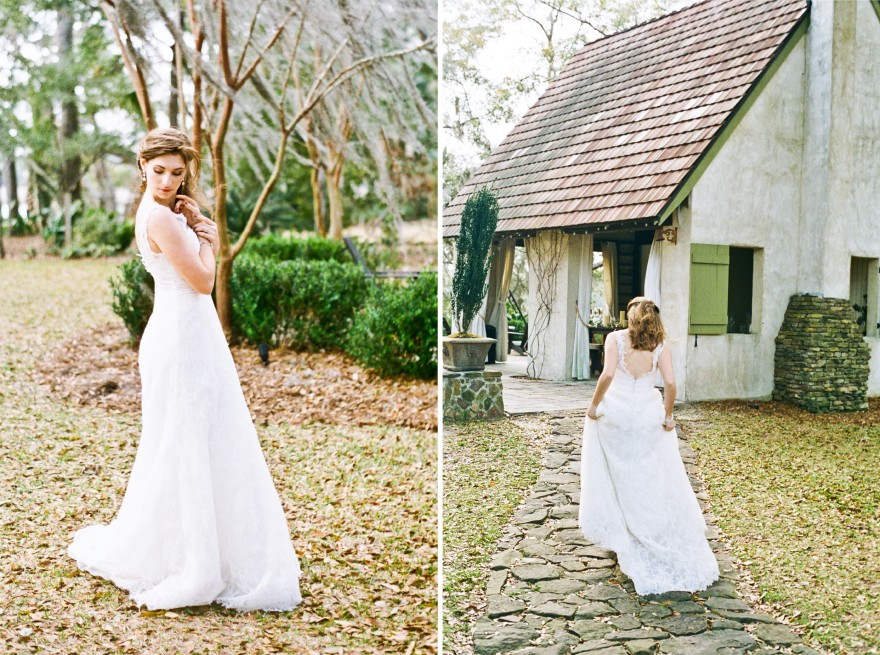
{"x": 172, "y": 141}
{"x": 645, "y": 328}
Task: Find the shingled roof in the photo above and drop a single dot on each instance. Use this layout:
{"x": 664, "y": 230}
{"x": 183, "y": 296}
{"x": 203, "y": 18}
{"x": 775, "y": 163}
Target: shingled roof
{"x": 618, "y": 132}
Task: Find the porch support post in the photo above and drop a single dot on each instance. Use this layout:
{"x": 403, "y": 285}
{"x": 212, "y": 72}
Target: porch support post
{"x": 554, "y": 264}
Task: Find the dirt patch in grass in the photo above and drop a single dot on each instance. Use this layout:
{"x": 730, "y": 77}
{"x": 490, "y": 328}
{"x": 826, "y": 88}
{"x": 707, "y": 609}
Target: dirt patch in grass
{"x": 360, "y": 501}
{"x": 98, "y": 368}
{"x": 488, "y": 468}
{"x": 797, "y": 497}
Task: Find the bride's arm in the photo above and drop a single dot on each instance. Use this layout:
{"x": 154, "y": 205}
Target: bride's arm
{"x": 664, "y": 363}
{"x": 606, "y": 376}
{"x": 198, "y": 270}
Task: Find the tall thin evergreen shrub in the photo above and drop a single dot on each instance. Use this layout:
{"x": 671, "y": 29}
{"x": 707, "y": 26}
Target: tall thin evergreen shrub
{"x": 473, "y": 255}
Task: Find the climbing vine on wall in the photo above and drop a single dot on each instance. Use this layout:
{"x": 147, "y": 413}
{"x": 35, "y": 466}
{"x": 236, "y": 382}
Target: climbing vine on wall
{"x": 544, "y": 254}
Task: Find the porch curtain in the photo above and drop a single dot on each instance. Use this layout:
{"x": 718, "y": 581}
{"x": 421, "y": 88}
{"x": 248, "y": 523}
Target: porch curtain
{"x": 580, "y": 364}
{"x": 652, "y": 288}
{"x": 478, "y": 325}
{"x": 609, "y": 278}
{"x": 652, "y": 274}
{"x": 500, "y": 276}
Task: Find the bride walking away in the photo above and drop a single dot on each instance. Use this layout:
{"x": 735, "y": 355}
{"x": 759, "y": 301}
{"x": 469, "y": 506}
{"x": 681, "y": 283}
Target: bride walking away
{"x": 635, "y": 495}
{"x": 201, "y": 521}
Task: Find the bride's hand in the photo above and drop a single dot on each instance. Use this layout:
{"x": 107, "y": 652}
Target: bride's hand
{"x": 190, "y": 210}
{"x": 592, "y": 413}
{"x": 669, "y": 424}
{"x": 206, "y": 230}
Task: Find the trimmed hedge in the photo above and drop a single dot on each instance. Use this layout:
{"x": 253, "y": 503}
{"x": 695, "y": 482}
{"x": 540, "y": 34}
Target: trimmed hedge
{"x": 132, "y": 291}
{"x": 305, "y": 305}
{"x": 279, "y": 249}
{"x": 390, "y": 326}
{"x": 395, "y": 332}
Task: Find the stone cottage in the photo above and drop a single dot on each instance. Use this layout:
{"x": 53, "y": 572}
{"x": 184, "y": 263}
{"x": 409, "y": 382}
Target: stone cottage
{"x": 725, "y": 159}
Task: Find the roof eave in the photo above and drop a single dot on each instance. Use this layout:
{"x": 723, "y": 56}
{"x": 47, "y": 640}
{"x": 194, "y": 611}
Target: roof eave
{"x": 736, "y": 115}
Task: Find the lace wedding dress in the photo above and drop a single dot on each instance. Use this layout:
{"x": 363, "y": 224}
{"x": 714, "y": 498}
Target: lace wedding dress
{"x": 635, "y": 495}
{"x": 201, "y": 521}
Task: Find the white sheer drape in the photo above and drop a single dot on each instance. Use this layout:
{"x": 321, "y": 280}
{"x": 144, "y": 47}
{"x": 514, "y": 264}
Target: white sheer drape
{"x": 580, "y": 364}
{"x": 500, "y": 276}
{"x": 609, "y": 278}
{"x": 478, "y": 325}
{"x": 652, "y": 288}
{"x": 652, "y": 274}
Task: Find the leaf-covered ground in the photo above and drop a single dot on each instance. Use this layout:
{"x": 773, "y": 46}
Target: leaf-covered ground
{"x": 488, "y": 467}
{"x": 98, "y": 367}
{"x": 360, "y": 500}
{"x": 798, "y": 499}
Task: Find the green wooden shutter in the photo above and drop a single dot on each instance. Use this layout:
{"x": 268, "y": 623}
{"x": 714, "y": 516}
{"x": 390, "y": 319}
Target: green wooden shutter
{"x": 708, "y": 304}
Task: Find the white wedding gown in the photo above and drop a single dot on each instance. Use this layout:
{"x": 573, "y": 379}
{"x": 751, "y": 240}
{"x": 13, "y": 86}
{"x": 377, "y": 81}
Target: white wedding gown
{"x": 635, "y": 495}
{"x": 201, "y": 521}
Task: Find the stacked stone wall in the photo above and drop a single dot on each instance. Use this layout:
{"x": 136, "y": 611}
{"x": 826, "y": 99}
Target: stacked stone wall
{"x": 470, "y": 395}
{"x": 821, "y": 356}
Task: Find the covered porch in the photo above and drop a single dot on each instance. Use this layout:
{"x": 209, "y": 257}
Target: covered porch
{"x": 579, "y": 284}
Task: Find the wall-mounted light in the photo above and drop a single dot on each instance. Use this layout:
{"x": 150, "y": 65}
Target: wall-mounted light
{"x": 669, "y": 234}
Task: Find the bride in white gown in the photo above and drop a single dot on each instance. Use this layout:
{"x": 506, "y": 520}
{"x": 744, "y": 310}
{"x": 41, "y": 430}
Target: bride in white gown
{"x": 201, "y": 521}
{"x": 635, "y": 495}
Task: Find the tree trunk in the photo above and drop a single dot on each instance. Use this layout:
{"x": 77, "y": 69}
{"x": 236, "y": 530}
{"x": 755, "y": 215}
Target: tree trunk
{"x": 71, "y": 165}
{"x": 225, "y": 257}
{"x": 318, "y": 202}
{"x": 10, "y": 181}
{"x": 173, "y": 107}
{"x": 9, "y": 196}
{"x": 68, "y": 219}
{"x": 334, "y": 195}
{"x": 224, "y": 296}
{"x": 105, "y": 184}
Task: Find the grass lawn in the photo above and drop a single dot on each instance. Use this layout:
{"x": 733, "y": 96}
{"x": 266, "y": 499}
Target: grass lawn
{"x": 488, "y": 468}
{"x": 360, "y": 500}
{"x": 797, "y": 496}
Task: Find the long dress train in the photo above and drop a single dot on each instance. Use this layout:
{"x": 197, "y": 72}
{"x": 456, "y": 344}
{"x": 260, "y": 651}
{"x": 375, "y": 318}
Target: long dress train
{"x": 636, "y": 498}
{"x": 201, "y": 521}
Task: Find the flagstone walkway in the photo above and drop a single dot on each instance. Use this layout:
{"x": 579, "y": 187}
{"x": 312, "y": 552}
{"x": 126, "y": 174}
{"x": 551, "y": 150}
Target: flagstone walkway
{"x": 552, "y": 592}
{"x": 527, "y": 396}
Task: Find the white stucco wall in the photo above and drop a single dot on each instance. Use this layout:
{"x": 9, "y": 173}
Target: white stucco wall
{"x": 841, "y": 188}
{"x": 859, "y": 186}
{"x": 798, "y": 179}
{"x": 749, "y": 196}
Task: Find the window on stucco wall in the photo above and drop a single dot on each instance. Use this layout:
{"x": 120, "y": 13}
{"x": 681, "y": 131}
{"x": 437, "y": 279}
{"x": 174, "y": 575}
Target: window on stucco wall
{"x": 863, "y": 297}
{"x": 722, "y": 290}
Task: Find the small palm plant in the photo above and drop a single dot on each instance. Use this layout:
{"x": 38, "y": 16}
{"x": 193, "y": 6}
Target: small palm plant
{"x": 478, "y": 221}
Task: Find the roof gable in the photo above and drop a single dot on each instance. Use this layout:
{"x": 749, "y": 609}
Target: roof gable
{"x": 617, "y": 134}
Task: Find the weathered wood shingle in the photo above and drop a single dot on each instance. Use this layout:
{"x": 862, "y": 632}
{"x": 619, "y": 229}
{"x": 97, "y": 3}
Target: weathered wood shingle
{"x": 616, "y": 133}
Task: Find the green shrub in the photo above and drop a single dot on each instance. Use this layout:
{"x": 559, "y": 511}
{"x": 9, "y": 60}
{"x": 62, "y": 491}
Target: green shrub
{"x": 97, "y": 233}
{"x": 133, "y": 297}
{"x": 280, "y": 249}
{"x": 305, "y": 305}
{"x": 396, "y": 330}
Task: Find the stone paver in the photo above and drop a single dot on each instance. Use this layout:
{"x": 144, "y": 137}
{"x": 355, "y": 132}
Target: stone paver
{"x": 552, "y": 591}
{"x": 524, "y": 396}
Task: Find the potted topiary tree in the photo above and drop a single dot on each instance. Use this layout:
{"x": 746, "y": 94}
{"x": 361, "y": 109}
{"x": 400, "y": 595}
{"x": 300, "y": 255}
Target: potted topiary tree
{"x": 465, "y": 351}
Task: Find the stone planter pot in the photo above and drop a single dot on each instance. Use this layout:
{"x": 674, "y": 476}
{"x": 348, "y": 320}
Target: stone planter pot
{"x": 466, "y": 354}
